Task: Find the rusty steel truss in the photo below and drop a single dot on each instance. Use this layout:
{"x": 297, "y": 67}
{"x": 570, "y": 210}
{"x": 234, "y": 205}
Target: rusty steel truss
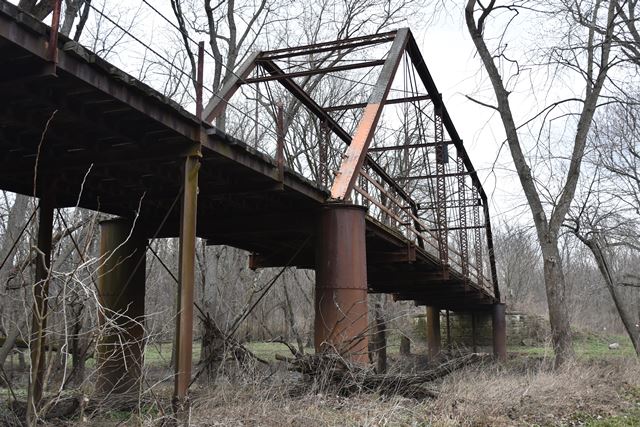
{"x": 455, "y": 191}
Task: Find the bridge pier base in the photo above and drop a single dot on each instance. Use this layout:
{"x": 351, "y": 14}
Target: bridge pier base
{"x": 433, "y": 332}
{"x": 121, "y": 289}
{"x": 499, "y": 324}
{"x": 341, "y": 282}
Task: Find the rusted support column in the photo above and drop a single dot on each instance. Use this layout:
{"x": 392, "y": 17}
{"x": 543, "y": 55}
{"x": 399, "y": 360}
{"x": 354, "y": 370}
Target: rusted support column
{"x": 52, "y": 49}
{"x": 199, "y": 80}
{"x": 433, "y": 332}
{"x": 474, "y": 333}
{"x": 40, "y": 306}
{"x": 184, "y": 325}
{"x": 341, "y": 282}
{"x": 121, "y": 290}
{"x": 448, "y": 330}
{"x": 499, "y": 323}
{"x": 323, "y": 148}
{"x": 280, "y": 141}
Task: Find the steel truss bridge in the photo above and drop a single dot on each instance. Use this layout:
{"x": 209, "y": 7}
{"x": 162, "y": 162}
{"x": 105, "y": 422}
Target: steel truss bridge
{"x": 353, "y": 168}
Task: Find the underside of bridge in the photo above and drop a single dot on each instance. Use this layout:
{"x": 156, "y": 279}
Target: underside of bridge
{"x": 77, "y": 132}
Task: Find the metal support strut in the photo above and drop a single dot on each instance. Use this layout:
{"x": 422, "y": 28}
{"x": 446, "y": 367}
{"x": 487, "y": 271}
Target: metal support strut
{"x": 280, "y": 141}
{"x": 462, "y": 201}
{"x": 184, "y": 325}
{"x": 477, "y": 243}
{"x": 442, "y": 157}
{"x": 52, "y": 49}
{"x": 186, "y": 263}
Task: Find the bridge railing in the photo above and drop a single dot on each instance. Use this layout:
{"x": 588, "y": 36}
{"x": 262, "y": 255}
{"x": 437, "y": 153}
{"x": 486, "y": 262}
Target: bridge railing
{"x": 392, "y": 210}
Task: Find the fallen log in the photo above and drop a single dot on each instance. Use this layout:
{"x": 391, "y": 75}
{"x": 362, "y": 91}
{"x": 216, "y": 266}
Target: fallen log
{"x": 346, "y": 377}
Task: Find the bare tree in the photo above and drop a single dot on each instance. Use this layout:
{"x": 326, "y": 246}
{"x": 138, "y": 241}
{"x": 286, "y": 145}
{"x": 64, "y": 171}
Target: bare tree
{"x": 608, "y": 219}
{"x": 72, "y": 9}
{"x": 38, "y": 8}
{"x": 518, "y": 263}
{"x": 587, "y": 52}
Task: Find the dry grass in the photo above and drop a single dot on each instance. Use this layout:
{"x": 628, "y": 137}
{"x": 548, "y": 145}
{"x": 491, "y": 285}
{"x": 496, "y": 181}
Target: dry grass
{"x": 520, "y": 394}
{"x": 524, "y": 392}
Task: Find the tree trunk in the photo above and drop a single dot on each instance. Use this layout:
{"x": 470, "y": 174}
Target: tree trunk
{"x": 8, "y": 344}
{"x": 291, "y": 320}
{"x": 627, "y": 317}
{"x": 405, "y": 345}
{"x": 39, "y": 9}
{"x": 548, "y": 228}
{"x": 22, "y": 363}
{"x": 380, "y": 341}
{"x": 70, "y": 13}
{"x": 213, "y": 349}
{"x": 78, "y": 358}
{"x": 556, "y": 301}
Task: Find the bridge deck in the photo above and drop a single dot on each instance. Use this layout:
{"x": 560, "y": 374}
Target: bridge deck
{"x": 115, "y": 145}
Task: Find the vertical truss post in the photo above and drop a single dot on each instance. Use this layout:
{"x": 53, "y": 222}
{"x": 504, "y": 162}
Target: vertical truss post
{"x": 184, "y": 326}
{"x": 256, "y": 118}
{"x": 323, "y": 148}
{"x": 200, "y": 80}
{"x": 53, "y": 35}
{"x": 477, "y": 241}
{"x": 462, "y": 201}
{"x": 364, "y": 184}
{"x": 442, "y": 157}
{"x": 280, "y": 141}
{"x": 386, "y": 218}
{"x": 40, "y": 305}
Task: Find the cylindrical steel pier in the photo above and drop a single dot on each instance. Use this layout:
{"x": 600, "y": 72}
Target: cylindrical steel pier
{"x": 341, "y": 282}
{"x": 433, "y": 332}
{"x": 121, "y": 287}
{"x": 499, "y": 324}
